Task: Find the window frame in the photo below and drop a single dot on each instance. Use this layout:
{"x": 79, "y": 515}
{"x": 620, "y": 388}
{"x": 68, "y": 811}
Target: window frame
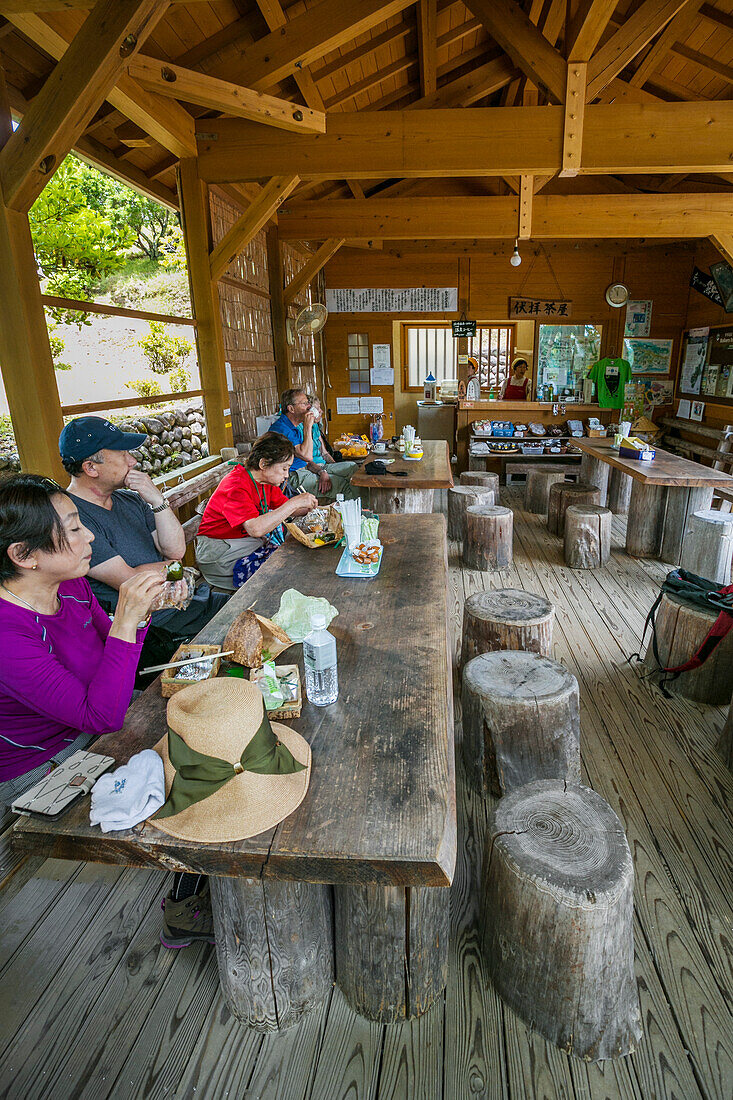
{"x": 405, "y": 325}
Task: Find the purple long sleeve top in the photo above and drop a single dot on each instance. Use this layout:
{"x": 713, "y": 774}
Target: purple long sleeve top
{"x": 60, "y": 675}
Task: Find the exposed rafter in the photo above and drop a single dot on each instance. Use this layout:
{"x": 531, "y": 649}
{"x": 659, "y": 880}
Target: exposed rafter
{"x": 254, "y": 218}
{"x": 634, "y": 34}
{"x": 311, "y": 268}
{"x": 526, "y": 45}
{"x": 659, "y": 49}
{"x": 586, "y": 29}
{"x": 427, "y": 28}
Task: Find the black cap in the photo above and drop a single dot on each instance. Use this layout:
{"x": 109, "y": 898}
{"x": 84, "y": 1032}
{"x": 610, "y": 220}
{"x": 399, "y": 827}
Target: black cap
{"x": 88, "y": 434}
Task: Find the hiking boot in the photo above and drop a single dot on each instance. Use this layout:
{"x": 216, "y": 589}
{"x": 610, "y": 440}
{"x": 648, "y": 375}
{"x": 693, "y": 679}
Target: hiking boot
{"x": 188, "y": 920}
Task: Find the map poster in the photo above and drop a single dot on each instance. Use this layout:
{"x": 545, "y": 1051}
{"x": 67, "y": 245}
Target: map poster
{"x": 693, "y": 360}
{"x": 638, "y": 318}
{"x": 648, "y": 356}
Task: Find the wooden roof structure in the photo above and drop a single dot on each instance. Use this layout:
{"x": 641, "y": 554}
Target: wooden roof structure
{"x": 363, "y": 120}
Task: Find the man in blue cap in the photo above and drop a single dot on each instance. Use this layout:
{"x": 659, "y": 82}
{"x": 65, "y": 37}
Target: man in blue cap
{"x": 133, "y": 526}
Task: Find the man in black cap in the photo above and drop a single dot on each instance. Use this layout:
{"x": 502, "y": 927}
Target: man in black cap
{"x": 133, "y": 526}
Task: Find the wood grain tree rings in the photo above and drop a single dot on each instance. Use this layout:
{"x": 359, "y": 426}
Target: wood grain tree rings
{"x": 558, "y": 908}
{"x": 521, "y": 720}
{"x": 537, "y": 489}
{"x": 594, "y": 471}
{"x": 506, "y": 618}
{"x": 459, "y": 498}
{"x": 619, "y": 492}
{"x": 562, "y": 495}
{"x": 680, "y": 632}
{"x": 587, "y": 536}
{"x": 707, "y": 547}
{"x": 482, "y": 478}
{"x": 391, "y": 949}
{"x": 488, "y": 544}
{"x": 274, "y": 946}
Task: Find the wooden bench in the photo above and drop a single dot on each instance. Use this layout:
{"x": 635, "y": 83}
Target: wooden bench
{"x": 569, "y": 469}
{"x": 187, "y": 495}
{"x": 721, "y": 457}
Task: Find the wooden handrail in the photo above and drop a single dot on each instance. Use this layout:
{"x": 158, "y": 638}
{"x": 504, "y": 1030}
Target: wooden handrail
{"x": 114, "y": 311}
{"x": 130, "y": 402}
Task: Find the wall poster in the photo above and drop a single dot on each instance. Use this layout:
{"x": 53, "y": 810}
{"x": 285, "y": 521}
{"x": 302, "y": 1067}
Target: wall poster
{"x": 648, "y": 356}
{"x": 421, "y": 299}
{"x": 638, "y": 318}
{"x": 693, "y": 360}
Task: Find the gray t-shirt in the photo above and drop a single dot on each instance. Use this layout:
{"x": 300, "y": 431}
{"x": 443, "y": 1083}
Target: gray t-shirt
{"x": 124, "y": 530}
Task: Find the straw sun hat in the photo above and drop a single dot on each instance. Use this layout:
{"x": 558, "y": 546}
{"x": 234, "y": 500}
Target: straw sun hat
{"x": 234, "y": 774}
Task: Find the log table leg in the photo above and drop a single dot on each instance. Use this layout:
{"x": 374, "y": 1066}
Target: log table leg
{"x": 645, "y": 524}
{"x": 274, "y": 945}
{"x": 619, "y": 492}
{"x": 558, "y": 912}
{"x": 391, "y": 949}
{"x": 682, "y": 502}
{"x": 595, "y": 471}
{"x": 397, "y": 502}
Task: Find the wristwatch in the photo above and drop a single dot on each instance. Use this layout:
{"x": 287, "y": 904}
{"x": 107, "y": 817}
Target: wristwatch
{"x": 162, "y": 507}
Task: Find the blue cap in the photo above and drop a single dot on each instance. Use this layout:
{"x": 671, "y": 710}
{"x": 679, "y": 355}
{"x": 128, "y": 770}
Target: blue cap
{"x": 88, "y": 434}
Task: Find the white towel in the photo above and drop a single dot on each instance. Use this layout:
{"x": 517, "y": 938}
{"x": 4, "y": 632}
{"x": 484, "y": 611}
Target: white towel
{"x": 129, "y": 795}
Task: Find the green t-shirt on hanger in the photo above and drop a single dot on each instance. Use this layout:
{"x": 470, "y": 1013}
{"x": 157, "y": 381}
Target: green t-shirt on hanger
{"x": 610, "y": 384}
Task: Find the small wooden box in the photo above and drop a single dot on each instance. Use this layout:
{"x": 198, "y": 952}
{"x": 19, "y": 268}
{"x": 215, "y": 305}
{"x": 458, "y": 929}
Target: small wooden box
{"x": 293, "y": 707}
{"x": 169, "y": 686}
{"x": 594, "y": 432}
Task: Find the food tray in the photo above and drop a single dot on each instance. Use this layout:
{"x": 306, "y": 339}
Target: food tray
{"x": 292, "y": 708}
{"x": 347, "y": 567}
{"x": 169, "y": 686}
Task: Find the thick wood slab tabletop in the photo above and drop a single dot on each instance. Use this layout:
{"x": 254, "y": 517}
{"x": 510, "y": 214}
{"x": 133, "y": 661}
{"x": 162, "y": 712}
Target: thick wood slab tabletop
{"x": 431, "y": 472}
{"x": 381, "y": 803}
{"x": 664, "y": 469}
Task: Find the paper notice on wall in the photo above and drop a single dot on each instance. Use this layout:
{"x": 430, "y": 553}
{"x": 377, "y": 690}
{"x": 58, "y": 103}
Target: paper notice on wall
{"x": 230, "y": 381}
{"x": 697, "y": 410}
{"x": 382, "y": 376}
{"x": 382, "y": 372}
{"x": 683, "y": 410}
{"x": 420, "y": 299}
{"x": 371, "y": 404}
{"x": 638, "y": 318}
{"x": 346, "y": 406}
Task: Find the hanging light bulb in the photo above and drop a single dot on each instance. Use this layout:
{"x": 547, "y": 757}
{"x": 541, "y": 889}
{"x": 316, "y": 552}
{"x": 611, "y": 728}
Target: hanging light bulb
{"x": 515, "y": 259}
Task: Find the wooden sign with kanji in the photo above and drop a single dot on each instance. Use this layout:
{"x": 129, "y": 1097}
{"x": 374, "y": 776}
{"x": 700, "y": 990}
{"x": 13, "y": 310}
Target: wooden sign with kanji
{"x": 540, "y": 307}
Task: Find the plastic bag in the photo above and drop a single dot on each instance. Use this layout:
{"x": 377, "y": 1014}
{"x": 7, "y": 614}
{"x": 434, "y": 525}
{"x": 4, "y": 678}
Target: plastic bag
{"x": 176, "y": 594}
{"x": 294, "y": 614}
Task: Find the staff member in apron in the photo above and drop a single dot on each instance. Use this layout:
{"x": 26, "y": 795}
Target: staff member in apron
{"x": 515, "y": 387}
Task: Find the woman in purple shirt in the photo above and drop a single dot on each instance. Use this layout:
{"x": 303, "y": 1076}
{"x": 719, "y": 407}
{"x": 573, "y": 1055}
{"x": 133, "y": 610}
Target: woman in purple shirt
{"x": 66, "y": 672}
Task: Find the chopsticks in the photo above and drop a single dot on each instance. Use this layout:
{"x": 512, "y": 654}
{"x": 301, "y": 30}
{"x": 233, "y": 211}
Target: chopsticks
{"x": 188, "y": 661}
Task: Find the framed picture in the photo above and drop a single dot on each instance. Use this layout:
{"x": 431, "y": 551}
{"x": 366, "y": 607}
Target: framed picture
{"x": 723, "y": 274}
{"x": 646, "y": 356}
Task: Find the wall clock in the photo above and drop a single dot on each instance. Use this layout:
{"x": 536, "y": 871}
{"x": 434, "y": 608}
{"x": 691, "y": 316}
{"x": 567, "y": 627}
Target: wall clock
{"x": 617, "y": 295}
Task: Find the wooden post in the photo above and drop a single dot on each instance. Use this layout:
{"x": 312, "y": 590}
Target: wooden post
{"x": 682, "y": 502}
{"x": 278, "y": 310}
{"x": 274, "y": 945}
{"x": 594, "y": 471}
{"x": 646, "y": 520}
{"x": 488, "y": 543}
{"x": 205, "y": 301}
{"x": 619, "y": 492}
{"x": 558, "y": 913}
{"x": 397, "y": 502}
{"x": 521, "y": 720}
{"x": 506, "y": 618}
{"x": 25, "y": 352}
{"x": 587, "y": 536}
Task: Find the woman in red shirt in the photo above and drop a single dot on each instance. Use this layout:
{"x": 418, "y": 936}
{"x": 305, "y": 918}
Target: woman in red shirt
{"x": 515, "y": 387}
{"x": 241, "y": 524}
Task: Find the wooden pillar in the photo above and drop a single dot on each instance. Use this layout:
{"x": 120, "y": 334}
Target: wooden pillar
{"x": 25, "y": 352}
{"x": 464, "y": 287}
{"x": 205, "y": 301}
{"x": 278, "y": 310}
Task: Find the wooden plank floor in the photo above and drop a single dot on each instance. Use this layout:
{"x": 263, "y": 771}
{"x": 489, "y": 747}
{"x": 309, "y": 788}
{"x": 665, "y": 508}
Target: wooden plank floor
{"x": 93, "y": 1006}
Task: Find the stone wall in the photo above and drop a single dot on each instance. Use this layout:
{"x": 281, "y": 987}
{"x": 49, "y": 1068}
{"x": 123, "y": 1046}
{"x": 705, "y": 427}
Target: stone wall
{"x": 176, "y": 438}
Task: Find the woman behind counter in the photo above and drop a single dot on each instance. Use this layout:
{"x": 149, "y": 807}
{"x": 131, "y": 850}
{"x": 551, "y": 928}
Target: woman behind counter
{"x": 242, "y": 523}
{"x": 66, "y": 672}
{"x": 515, "y": 386}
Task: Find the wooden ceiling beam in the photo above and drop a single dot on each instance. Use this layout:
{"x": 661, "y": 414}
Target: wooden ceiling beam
{"x": 427, "y": 40}
{"x": 272, "y": 195}
{"x": 390, "y": 37}
{"x": 166, "y": 122}
{"x": 722, "y": 18}
{"x": 724, "y": 244}
{"x": 587, "y": 27}
{"x": 372, "y": 80}
{"x": 718, "y": 68}
{"x": 13, "y": 7}
{"x": 528, "y": 48}
{"x": 572, "y": 142}
{"x": 275, "y": 18}
{"x": 634, "y": 34}
{"x": 467, "y": 89}
{"x": 553, "y": 217}
{"x": 625, "y": 138}
{"x": 660, "y": 48}
{"x": 304, "y": 39}
{"x": 311, "y": 268}
{"x": 230, "y": 99}
{"x": 72, "y": 94}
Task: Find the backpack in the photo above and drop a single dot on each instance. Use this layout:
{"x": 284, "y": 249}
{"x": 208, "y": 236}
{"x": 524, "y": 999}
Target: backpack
{"x": 699, "y": 593}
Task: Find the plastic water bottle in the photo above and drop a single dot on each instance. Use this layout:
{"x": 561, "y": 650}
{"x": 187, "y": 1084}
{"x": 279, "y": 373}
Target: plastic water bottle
{"x": 321, "y": 671}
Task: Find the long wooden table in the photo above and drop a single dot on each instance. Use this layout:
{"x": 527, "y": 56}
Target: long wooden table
{"x": 664, "y": 493}
{"x": 393, "y": 495}
{"x": 379, "y": 818}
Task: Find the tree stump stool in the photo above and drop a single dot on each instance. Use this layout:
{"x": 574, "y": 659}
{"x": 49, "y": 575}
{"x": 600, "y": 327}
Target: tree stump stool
{"x": 274, "y": 946}
{"x": 562, "y": 495}
{"x": 483, "y": 479}
{"x": 707, "y": 547}
{"x": 506, "y": 618}
{"x": 521, "y": 721}
{"x": 489, "y": 537}
{"x": 619, "y": 492}
{"x": 391, "y": 949}
{"x": 680, "y": 632}
{"x": 558, "y": 910}
{"x": 587, "y": 536}
{"x": 459, "y": 498}
{"x": 398, "y": 502}
{"x": 537, "y": 489}
{"x": 594, "y": 471}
